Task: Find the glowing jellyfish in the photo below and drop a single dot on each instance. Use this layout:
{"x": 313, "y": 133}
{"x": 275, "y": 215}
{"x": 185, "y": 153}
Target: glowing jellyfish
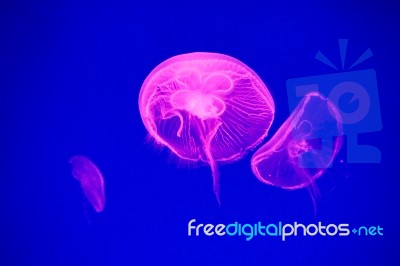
{"x": 206, "y": 107}
{"x": 91, "y": 180}
{"x": 303, "y": 147}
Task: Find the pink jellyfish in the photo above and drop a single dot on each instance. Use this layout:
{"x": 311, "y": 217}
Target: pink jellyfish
{"x": 91, "y": 179}
{"x": 303, "y": 147}
{"x": 206, "y": 107}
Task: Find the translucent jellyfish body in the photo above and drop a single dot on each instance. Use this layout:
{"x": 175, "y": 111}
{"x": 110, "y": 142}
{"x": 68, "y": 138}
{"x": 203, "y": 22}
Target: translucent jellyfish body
{"x": 206, "y": 107}
{"x": 91, "y": 180}
{"x": 303, "y": 147}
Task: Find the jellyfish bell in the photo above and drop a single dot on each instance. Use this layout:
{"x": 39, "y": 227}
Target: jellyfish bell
{"x": 90, "y": 179}
{"x": 303, "y": 147}
{"x": 206, "y": 107}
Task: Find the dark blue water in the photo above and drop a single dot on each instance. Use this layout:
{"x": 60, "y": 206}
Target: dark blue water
{"x": 71, "y": 74}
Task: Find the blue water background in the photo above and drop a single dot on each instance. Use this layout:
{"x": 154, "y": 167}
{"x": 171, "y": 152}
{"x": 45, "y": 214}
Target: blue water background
{"x": 71, "y": 75}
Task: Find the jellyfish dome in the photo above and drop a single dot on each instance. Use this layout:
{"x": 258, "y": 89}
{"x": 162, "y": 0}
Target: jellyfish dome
{"x": 206, "y": 107}
{"x": 303, "y": 147}
{"x": 91, "y": 179}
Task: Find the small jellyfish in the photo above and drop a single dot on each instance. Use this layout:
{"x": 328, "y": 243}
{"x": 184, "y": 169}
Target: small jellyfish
{"x": 206, "y": 107}
{"x": 91, "y": 180}
{"x": 303, "y": 147}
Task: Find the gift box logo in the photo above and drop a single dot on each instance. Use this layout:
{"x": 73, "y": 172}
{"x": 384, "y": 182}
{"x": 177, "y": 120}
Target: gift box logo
{"x": 355, "y": 93}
